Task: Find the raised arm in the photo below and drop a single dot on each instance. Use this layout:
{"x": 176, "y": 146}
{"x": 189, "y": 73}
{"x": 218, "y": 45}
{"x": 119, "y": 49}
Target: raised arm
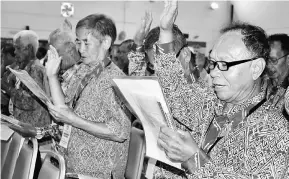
{"x": 185, "y": 100}
{"x": 52, "y": 68}
{"x": 137, "y": 62}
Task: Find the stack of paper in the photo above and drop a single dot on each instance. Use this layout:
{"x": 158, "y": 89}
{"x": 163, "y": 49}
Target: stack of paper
{"x": 144, "y": 97}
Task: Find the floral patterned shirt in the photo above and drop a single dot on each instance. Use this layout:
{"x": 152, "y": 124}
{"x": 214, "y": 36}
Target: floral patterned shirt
{"x": 26, "y": 106}
{"x": 87, "y": 154}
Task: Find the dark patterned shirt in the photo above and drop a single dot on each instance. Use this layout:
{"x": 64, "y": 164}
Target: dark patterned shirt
{"x": 26, "y": 106}
{"x": 87, "y": 154}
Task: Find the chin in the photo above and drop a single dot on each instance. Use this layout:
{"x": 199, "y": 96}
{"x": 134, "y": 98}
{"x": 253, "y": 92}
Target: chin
{"x": 221, "y": 95}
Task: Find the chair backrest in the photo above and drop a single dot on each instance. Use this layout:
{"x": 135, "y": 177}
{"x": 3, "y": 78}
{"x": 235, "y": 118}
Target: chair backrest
{"x": 4, "y": 150}
{"x": 9, "y": 162}
{"x": 49, "y": 170}
{"x": 26, "y": 160}
{"x": 136, "y": 152}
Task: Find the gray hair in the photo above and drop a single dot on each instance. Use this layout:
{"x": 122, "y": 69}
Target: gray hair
{"x": 28, "y": 37}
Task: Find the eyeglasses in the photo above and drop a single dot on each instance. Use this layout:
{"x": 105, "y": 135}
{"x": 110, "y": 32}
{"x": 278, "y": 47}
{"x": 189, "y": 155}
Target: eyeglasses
{"x": 275, "y": 61}
{"x": 224, "y": 66}
{"x": 178, "y": 54}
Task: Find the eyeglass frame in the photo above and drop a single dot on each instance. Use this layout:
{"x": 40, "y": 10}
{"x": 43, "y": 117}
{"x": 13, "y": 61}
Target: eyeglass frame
{"x": 229, "y": 64}
{"x": 276, "y": 61}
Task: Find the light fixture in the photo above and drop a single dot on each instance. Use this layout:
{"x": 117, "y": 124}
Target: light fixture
{"x": 214, "y": 5}
{"x": 67, "y": 9}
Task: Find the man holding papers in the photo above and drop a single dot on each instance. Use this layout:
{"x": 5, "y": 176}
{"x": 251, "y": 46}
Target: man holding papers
{"x": 235, "y": 131}
{"x": 96, "y": 128}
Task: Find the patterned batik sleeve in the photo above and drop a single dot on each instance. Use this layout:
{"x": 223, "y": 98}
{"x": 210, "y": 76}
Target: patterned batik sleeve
{"x": 23, "y": 98}
{"x": 262, "y": 153}
{"x": 186, "y": 101}
{"x": 137, "y": 64}
{"x": 117, "y": 120}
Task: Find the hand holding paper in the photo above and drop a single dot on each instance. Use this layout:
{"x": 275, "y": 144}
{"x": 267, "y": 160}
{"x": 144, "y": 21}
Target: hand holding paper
{"x": 61, "y": 113}
{"x": 178, "y": 145}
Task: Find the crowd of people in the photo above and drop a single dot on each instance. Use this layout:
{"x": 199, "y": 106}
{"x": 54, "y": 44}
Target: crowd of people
{"x": 230, "y": 109}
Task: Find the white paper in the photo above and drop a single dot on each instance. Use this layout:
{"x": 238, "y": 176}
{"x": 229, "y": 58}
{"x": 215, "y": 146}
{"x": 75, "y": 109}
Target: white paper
{"x": 29, "y": 82}
{"x": 143, "y": 96}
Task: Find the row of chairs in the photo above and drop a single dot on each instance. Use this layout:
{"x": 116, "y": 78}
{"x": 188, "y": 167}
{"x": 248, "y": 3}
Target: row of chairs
{"x": 18, "y": 160}
{"x": 23, "y": 164}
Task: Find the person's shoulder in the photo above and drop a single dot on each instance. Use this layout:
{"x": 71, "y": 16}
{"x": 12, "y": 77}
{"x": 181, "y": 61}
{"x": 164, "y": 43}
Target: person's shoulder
{"x": 112, "y": 70}
{"x": 269, "y": 115}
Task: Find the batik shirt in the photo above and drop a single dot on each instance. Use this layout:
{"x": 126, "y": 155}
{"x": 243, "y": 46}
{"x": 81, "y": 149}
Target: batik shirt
{"x": 184, "y": 98}
{"x": 235, "y": 144}
{"x": 26, "y": 106}
{"x": 242, "y": 147}
{"x": 87, "y": 154}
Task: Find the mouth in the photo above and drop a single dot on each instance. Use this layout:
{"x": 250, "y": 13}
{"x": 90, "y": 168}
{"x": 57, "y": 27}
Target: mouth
{"x": 218, "y": 86}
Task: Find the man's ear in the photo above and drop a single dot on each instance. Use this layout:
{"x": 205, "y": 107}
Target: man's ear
{"x": 257, "y": 68}
{"x": 106, "y": 42}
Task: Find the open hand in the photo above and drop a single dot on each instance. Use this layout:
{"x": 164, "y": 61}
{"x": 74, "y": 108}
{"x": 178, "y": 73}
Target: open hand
{"x": 178, "y": 146}
{"x": 144, "y": 28}
{"x": 53, "y": 64}
{"x": 169, "y": 15}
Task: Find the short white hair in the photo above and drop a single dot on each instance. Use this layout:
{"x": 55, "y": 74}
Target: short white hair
{"x": 28, "y": 37}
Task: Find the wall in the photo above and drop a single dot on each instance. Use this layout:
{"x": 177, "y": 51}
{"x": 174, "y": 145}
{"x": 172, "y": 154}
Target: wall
{"x": 270, "y": 15}
{"x": 195, "y": 18}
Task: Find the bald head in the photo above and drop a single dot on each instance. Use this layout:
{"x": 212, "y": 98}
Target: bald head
{"x": 63, "y": 40}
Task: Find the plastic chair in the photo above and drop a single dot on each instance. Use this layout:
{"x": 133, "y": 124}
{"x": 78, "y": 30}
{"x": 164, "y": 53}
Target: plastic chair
{"x": 9, "y": 162}
{"x": 136, "y": 152}
{"x": 4, "y": 150}
{"x": 26, "y": 160}
{"x": 49, "y": 170}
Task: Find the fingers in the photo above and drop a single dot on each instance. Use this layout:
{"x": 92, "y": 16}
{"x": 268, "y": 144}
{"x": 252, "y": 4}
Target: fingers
{"x": 149, "y": 20}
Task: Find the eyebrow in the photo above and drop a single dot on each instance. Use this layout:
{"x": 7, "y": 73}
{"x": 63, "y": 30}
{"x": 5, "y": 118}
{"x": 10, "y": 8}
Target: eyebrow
{"x": 85, "y": 40}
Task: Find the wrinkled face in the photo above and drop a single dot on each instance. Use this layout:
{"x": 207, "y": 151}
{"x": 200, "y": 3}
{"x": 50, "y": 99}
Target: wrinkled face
{"x": 90, "y": 48}
{"x": 235, "y": 84}
{"x": 278, "y": 68}
{"x": 21, "y": 51}
{"x": 69, "y": 54}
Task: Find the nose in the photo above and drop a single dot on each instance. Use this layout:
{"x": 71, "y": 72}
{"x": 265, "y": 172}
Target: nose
{"x": 81, "y": 47}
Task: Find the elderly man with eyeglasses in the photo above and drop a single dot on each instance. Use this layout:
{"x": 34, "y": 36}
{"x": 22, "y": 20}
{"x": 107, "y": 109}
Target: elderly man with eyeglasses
{"x": 279, "y": 59}
{"x": 235, "y": 131}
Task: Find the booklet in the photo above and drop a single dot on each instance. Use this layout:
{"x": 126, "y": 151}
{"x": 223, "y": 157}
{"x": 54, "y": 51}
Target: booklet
{"x": 143, "y": 96}
{"x": 29, "y": 82}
